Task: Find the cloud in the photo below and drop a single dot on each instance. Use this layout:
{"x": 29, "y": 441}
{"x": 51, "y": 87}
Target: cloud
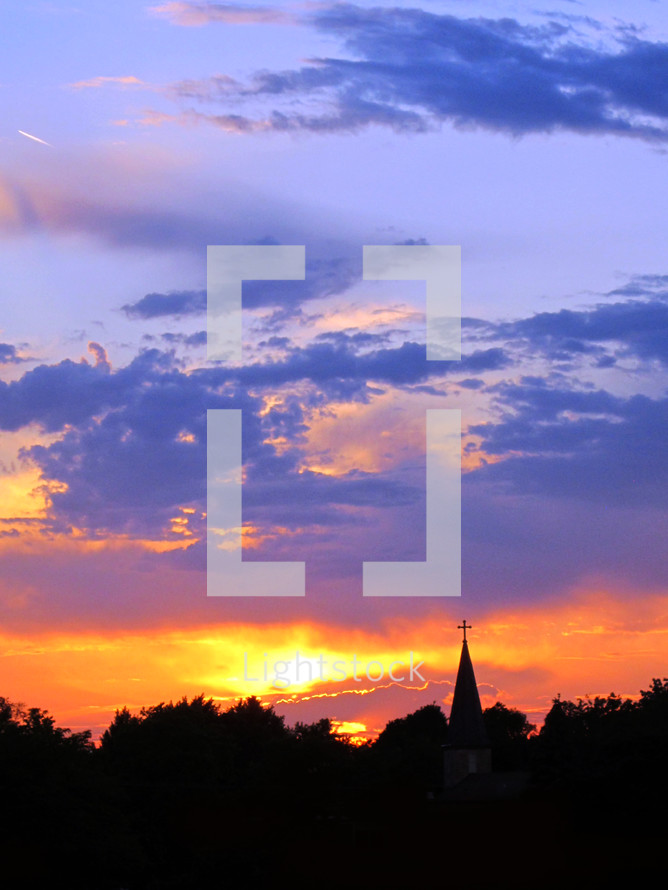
{"x": 471, "y": 383}
{"x": 100, "y": 355}
{"x": 58, "y": 203}
{"x": 638, "y": 328}
{"x": 196, "y": 339}
{"x": 131, "y": 442}
{"x": 97, "y": 82}
{"x": 564, "y": 442}
{"x": 194, "y": 15}
{"x": 568, "y": 477}
{"x": 57, "y": 199}
{"x": 324, "y": 278}
{"x": 58, "y": 395}
{"x": 643, "y": 285}
{"x": 133, "y": 450}
{"x": 132, "y": 445}
{"x": 178, "y": 303}
{"x": 411, "y": 70}
{"x": 9, "y": 354}
{"x": 579, "y": 489}
{"x": 332, "y": 364}
{"x": 229, "y": 123}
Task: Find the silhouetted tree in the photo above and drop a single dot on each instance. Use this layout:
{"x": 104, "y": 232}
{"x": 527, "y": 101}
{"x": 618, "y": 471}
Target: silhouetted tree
{"x": 427, "y": 723}
{"x": 409, "y": 750}
{"x": 604, "y": 749}
{"x": 56, "y": 806}
{"x": 191, "y": 794}
{"x": 173, "y": 743}
{"x": 654, "y": 701}
{"x": 321, "y": 755}
{"x": 196, "y": 741}
{"x": 508, "y": 731}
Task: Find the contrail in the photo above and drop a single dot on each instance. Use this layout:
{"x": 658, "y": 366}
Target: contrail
{"x": 35, "y": 138}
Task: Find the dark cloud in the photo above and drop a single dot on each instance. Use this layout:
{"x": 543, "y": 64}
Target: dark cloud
{"x": 358, "y": 339}
{"x": 70, "y": 393}
{"x": 57, "y": 395}
{"x": 340, "y": 370}
{"x": 471, "y": 383}
{"x": 178, "y": 303}
{"x": 643, "y": 286}
{"x": 196, "y": 339}
{"x": 585, "y": 445}
{"x": 324, "y": 277}
{"x": 355, "y": 488}
{"x": 276, "y": 342}
{"x": 410, "y": 69}
{"x": 640, "y": 327}
{"x": 9, "y": 354}
{"x": 132, "y": 448}
{"x": 134, "y": 441}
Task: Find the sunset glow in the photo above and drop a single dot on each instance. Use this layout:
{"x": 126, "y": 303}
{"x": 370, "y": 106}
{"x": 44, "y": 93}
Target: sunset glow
{"x": 593, "y": 643}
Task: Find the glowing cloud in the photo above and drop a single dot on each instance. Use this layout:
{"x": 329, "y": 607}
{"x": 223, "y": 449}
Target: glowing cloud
{"x": 194, "y": 15}
{"x": 97, "y": 82}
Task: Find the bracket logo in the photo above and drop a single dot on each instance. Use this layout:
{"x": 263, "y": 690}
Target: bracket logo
{"x": 440, "y": 574}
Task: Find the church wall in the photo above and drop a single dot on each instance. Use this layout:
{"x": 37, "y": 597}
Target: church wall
{"x": 458, "y": 763}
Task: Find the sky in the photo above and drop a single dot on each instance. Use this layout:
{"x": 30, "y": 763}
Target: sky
{"x": 534, "y": 136}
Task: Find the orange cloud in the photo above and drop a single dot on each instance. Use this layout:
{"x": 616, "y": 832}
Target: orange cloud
{"x": 364, "y": 317}
{"x": 373, "y": 437}
{"x": 21, "y": 496}
{"x": 97, "y": 82}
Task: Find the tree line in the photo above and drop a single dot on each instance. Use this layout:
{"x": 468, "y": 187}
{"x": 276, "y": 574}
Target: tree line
{"x": 192, "y": 794}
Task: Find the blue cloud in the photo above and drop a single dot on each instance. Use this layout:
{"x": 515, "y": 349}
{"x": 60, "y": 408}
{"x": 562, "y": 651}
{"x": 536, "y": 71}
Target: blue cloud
{"x": 178, "y": 303}
{"x": 9, "y": 354}
{"x": 133, "y": 441}
{"x": 589, "y": 446}
{"x": 324, "y": 277}
{"x": 639, "y": 327}
{"x": 410, "y": 69}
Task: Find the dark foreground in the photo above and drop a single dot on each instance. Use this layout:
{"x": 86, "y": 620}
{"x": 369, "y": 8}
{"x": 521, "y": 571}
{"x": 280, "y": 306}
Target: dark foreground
{"x": 188, "y": 796}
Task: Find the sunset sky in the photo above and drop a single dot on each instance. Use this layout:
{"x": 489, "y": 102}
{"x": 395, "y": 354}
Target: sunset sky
{"x": 133, "y": 135}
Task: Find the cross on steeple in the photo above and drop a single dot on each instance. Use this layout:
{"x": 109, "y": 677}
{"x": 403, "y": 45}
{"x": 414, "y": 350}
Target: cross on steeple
{"x": 464, "y": 627}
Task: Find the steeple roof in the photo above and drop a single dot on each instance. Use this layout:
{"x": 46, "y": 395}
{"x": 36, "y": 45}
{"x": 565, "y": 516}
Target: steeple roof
{"x": 466, "y": 728}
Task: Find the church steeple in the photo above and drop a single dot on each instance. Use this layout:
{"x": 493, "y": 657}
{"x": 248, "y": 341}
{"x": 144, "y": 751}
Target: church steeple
{"x": 466, "y": 729}
{"x": 467, "y": 751}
